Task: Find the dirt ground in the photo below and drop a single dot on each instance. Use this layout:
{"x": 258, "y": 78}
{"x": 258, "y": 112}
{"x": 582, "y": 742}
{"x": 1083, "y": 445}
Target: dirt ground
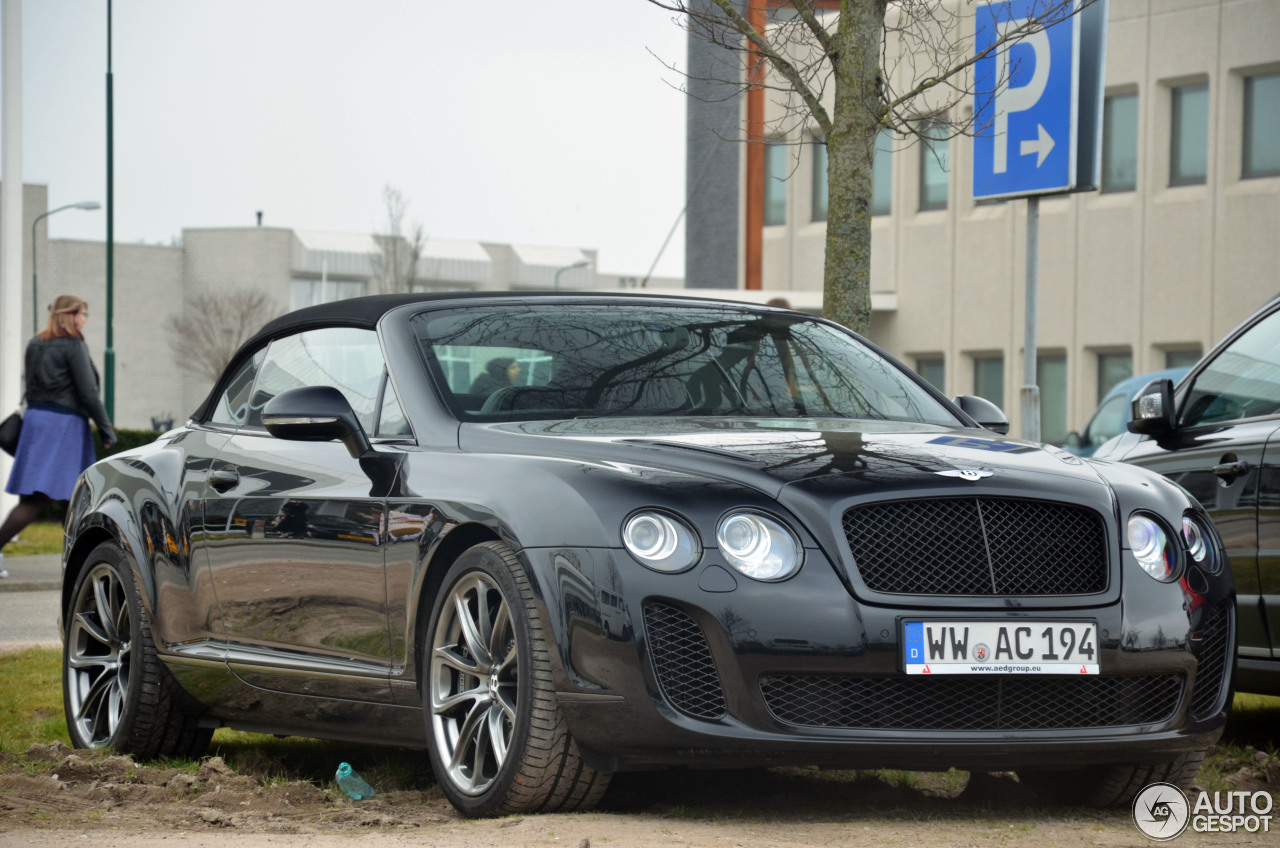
{"x": 56, "y": 796}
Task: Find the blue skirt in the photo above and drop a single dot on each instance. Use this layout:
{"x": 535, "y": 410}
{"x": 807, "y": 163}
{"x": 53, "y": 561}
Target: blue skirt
{"x": 52, "y": 451}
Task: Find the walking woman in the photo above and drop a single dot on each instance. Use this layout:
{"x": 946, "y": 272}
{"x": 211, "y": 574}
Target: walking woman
{"x": 61, "y": 395}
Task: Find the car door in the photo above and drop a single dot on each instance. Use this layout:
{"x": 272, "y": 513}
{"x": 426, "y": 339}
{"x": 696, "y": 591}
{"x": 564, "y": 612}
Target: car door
{"x": 1225, "y": 450}
{"x": 1269, "y": 538}
{"x": 190, "y": 618}
{"x": 297, "y": 561}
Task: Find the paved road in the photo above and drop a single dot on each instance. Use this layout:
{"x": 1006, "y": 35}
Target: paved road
{"x": 28, "y": 618}
{"x": 29, "y": 602}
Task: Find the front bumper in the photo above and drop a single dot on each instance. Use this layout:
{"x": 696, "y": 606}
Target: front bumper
{"x": 710, "y": 668}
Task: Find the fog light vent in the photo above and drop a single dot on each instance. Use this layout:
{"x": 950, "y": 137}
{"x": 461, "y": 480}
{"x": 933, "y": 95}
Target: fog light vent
{"x": 1215, "y": 659}
{"x": 682, "y": 662}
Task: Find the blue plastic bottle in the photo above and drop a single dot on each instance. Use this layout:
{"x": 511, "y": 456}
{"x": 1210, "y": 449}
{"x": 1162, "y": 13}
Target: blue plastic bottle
{"x": 353, "y": 784}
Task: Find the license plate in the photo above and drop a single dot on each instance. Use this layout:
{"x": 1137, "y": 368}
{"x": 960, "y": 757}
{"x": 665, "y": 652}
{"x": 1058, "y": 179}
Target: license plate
{"x": 1000, "y": 647}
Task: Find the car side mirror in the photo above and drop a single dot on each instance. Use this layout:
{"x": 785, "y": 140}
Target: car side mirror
{"x": 315, "y": 414}
{"x": 1153, "y": 413}
{"x": 1073, "y": 439}
{"x": 986, "y": 413}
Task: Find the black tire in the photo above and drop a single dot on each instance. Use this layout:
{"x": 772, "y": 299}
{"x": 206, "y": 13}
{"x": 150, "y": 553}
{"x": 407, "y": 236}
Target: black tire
{"x": 115, "y": 691}
{"x": 1109, "y": 786}
{"x": 497, "y": 740}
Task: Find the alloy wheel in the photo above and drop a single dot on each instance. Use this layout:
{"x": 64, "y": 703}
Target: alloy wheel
{"x": 474, "y": 683}
{"x": 98, "y": 654}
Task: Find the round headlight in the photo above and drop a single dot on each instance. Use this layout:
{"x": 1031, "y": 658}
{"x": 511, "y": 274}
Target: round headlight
{"x": 1150, "y": 546}
{"x": 1200, "y": 545}
{"x": 660, "y": 541}
{"x": 760, "y": 547}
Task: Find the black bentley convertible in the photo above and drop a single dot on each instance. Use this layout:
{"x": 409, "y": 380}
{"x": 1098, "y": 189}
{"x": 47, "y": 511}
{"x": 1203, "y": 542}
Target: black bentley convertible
{"x": 548, "y": 538}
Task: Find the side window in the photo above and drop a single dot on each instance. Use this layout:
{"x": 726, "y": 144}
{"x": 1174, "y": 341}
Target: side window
{"x": 348, "y": 359}
{"x": 1240, "y": 382}
{"x": 391, "y": 420}
{"x": 233, "y": 406}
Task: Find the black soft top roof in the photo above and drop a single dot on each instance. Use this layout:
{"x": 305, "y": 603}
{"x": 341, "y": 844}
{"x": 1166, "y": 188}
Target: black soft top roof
{"x": 365, "y": 312}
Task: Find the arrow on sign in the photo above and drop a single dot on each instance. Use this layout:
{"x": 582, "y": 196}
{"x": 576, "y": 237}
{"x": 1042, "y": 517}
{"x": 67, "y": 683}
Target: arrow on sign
{"x": 1042, "y": 145}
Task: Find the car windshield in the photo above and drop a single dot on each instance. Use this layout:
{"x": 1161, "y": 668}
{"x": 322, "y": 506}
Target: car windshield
{"x": 1108, "y": 421}
{"x": 552, "y": 362}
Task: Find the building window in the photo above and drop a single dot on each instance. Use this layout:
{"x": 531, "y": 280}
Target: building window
{"x": 1262, "y": 126}
{"x": 882, "y": 175}
{"x": 934, "y": 164}
{"x": 988, "y": 378}
{"x": 775, "y": 183}
{"x": 312, "y": 292}
{"x": 934, "y": 370}
{"x": 1120, "y": 143}
{"x": 1189, "y": 145}
{"x": 1182, "y": 358}
{"x": 820, "y": 192}
{"x": 1051, "y": 377}
{"x": 1112, "y": 368}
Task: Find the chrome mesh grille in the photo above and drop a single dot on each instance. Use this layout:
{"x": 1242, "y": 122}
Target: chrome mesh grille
{"x": 682, "y": 662}
{"x": 1215, "y": 659}
{"x": 977, "y": 703}
{"x": 978, "y": 546}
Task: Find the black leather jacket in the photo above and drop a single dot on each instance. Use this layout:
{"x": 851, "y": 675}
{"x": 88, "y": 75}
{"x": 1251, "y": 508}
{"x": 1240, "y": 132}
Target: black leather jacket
{"x": 60, "y": 372}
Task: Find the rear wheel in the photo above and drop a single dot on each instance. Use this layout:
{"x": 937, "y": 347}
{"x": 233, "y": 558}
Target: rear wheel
{"x": 498, "y": 743}
{"x": 1109, "y": 786}
{"x": 116, "y": 692}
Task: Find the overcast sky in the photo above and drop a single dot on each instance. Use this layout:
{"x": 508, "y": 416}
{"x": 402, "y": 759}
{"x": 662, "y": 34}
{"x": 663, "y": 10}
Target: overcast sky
{"x": 545, "y": 122}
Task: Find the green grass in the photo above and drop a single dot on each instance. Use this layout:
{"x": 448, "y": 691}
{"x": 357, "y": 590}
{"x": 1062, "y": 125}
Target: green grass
{"x": 40, "y": 537}
{"x": 31, "y": 700}
{"x": 1252, "y": 729}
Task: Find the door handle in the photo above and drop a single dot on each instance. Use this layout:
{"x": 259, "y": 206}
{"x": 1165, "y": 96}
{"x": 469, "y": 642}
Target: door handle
{"x": 1229, "y": 471}
{"x": 224, "y": 479}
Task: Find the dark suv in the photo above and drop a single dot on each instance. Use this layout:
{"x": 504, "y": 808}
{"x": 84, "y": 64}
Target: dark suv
{"x": 1218, "y": 435}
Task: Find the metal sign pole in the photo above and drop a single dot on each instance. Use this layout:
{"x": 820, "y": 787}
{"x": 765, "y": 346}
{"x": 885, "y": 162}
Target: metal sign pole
{"x": 1030, "y": 386}
{"x": 1039, "y": 125}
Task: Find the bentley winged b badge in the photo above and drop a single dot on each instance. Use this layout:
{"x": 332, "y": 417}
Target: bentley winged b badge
{"x": 971, "y": 474}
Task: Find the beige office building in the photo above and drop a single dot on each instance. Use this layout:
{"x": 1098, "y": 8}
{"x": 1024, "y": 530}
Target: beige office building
{"x": 1181, "y": 243}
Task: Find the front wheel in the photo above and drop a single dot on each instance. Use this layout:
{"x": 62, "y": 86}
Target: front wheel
{"x": 497, "y": 741}
{"x": 116, "y": 692}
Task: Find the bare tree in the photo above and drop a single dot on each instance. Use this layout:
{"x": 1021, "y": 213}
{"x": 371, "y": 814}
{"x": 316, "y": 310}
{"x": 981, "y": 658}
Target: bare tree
{"x": 396, "y": 268}
{"x": 848, "y": 69}
{"x": 208, "y": 334}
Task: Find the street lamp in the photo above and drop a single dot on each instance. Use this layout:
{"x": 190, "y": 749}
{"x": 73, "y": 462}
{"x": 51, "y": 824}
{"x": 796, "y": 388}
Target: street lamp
{"x": 35, "y": 298}
{"x": 581, "y": 263}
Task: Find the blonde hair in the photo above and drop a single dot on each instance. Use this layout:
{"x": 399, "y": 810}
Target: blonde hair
{"x": 62, "y": 318}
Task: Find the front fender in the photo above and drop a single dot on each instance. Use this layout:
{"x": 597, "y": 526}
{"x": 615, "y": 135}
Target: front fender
{"x": 94, "y": 516}
{"x": 134, "y": 501}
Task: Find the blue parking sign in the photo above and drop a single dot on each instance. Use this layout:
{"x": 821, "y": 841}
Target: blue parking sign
{"x": 1025, "y": 112}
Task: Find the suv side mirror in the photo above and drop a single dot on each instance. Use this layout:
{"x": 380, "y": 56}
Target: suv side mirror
{"x": 315, "y": 414}
{"x": 1153, "y": 413}
{"x": 1075, "y": 440}
{"x": 986, "y": 413}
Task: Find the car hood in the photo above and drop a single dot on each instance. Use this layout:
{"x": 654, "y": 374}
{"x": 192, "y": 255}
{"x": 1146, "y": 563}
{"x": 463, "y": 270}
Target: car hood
{"x": 772, "y": 453}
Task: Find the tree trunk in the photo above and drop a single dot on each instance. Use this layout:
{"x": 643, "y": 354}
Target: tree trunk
{"x": 851, "y": 146}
